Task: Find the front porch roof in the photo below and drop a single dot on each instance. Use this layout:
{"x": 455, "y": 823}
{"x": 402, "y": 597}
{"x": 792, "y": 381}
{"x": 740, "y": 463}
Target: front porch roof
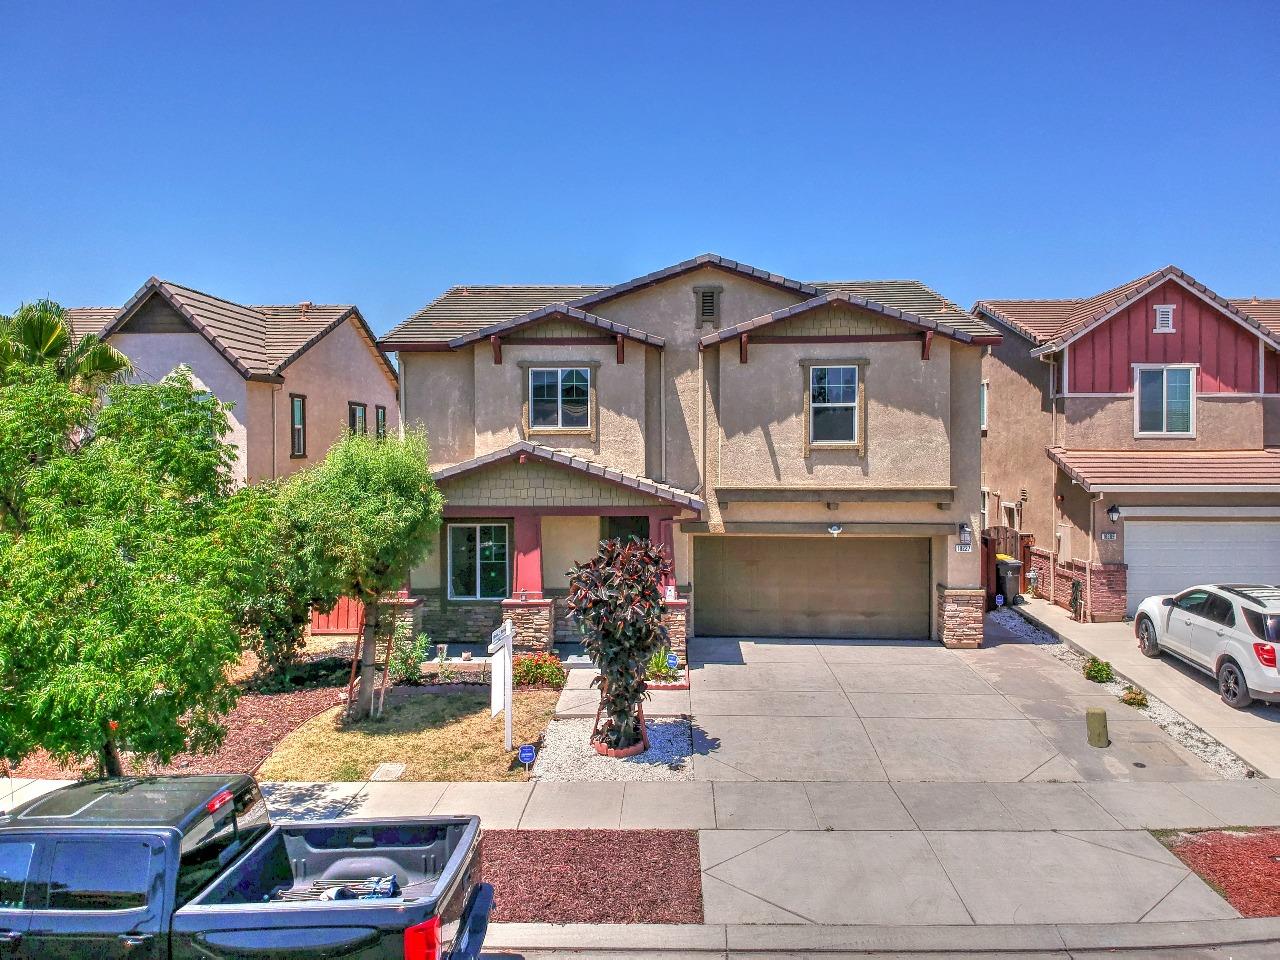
{"x": 524, "y": 449}
{"x": 557, "y": 311}
{"x": 1171, "y": 471}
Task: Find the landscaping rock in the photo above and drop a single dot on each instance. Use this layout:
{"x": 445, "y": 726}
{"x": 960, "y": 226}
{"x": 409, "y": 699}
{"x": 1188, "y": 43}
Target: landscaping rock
{"x": 567, "y": 754}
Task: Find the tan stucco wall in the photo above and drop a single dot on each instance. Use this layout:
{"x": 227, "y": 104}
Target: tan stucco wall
{"x": 341, "y": 367}
{"x": 1020, "y": 429}
{"x": 1106, "y": 423}
{"x": 155, "y": 355}
{"x": 566, "y": 541}
{"x": 438, "y": 393}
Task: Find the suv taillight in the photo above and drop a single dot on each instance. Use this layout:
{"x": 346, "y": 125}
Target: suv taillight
{"x": 422, "y": 941}
{"x": 1265, "y": 653}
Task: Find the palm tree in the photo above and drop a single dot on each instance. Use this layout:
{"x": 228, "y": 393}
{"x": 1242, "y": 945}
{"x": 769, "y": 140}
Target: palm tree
{"x": 38, "y": 334}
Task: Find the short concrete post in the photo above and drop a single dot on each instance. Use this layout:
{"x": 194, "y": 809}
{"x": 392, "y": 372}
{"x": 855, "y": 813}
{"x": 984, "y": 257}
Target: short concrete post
{"x": 1095, "y": 721}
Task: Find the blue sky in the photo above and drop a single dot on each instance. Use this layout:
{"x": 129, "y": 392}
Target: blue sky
{"x": 377, "y": 153}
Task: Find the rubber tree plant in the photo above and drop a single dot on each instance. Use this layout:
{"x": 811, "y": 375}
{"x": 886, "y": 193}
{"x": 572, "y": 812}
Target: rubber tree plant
{"x": 616, "y": 599}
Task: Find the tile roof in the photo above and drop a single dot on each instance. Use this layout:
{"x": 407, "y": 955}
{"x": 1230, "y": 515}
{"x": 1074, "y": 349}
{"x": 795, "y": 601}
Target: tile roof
{"x": 87, "y": 320}
{"x": 841, "y": 296}
{"x": 464, "y": 310}
{"x": 1053, "y": 322}
{"x": 260, "y": 341}
{"x": 1104, "y": 469}
{"x": 574, "y": 462}
{"x": 558, "y": 310}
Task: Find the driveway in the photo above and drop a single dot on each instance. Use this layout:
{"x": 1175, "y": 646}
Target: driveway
{"x": 905, "y": 711}
{"x": 1252, "y": 734}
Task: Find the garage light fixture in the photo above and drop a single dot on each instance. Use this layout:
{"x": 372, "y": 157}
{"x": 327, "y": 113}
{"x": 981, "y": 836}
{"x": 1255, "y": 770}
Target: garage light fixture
{"x": 835, "y": 529}
{"x": 1113, "y": 513}
{"x": 966, "y": 535}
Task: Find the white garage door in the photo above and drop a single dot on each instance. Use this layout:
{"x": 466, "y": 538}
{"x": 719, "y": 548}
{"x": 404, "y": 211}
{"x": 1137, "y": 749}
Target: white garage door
{"x": 1166, "y": 556}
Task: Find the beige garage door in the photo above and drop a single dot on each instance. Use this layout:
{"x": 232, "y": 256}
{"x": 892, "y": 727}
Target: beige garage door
{"x": 810, "y": 587}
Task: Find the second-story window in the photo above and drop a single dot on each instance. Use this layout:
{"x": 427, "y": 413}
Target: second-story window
{"x": 297, "y": 425}
{"x": 1165, "y": 401}
{"x": 560, "y": 398}
{"x": 984, "y": 390}
{"x": 357, "y": 417}
{"x": 833, "y": 405}
{"x": 380, "y": 422}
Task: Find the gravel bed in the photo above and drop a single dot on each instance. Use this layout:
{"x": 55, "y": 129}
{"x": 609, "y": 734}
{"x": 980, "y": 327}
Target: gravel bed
{"x": 1223, "y": 761}
{"x": 593, "y": 876}
{"x": 567, "y": 754}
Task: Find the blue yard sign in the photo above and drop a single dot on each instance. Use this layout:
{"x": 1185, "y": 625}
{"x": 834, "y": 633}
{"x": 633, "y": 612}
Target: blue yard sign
{"x": 672, "y": 661}
{"x": 527, "y": 754}
{"x": 999, "y": 599}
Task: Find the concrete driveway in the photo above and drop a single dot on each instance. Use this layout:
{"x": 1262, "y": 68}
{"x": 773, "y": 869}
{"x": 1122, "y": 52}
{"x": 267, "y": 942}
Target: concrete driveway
{"x": 904, "y": 711}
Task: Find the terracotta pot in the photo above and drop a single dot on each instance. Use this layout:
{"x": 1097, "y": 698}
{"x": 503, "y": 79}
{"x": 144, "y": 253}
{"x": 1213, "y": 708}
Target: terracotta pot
{"x": 605, "y": 750}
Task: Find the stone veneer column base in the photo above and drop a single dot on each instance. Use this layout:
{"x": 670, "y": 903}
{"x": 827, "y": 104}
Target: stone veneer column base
{"x": 677, "y": 623}
{"x": 960, "y": 613}
{"x": 532, "y": 620}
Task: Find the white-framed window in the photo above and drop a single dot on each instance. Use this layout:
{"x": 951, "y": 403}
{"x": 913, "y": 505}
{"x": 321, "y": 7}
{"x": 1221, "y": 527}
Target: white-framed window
{"x": 297, "y": 425}
{"x": 1164, "y": 400}
{"x": 1164, "y": 318}
{"x": 986, "y": 497}
{"x": 478, "y": 561}
{"x": 1012, "y": 515}
{"x": 833, "y": 405}
{"x": 984, "y": 390}
{"x": 560, "y": 397}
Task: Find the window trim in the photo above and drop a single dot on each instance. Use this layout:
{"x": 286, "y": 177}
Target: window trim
{"x": 559, "y": 426}
{"x": 984, "y": 401}
{"x": 1156, "y": 328}
{"x": 352, "y": 407}
{"x": 859, "y": 445}
{"x": 1138, "y": 432}
{"x": 593, "y": 406}
{"x": 299, "y": 428}
{"x": 716, "y": 292}
{"x": 380, "y": 421}
{"x": 448, "y": 552}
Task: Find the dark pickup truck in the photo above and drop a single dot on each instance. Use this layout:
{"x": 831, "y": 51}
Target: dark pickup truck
{"x": 193, "y": 867}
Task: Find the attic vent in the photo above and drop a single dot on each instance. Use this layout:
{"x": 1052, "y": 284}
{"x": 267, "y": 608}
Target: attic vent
{"x": 1164, "y": 318}
{"x": 707, "y": 305}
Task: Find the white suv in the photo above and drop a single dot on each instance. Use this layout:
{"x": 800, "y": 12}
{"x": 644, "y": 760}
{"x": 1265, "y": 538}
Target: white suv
{"x": 1230, "y": 631}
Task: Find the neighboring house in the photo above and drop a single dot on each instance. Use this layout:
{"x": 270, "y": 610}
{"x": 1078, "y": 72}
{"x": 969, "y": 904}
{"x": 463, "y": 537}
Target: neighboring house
{"x": 1134, "y": 434}
{"x": 808, "y": 452}
{"x": 297, "y": 377}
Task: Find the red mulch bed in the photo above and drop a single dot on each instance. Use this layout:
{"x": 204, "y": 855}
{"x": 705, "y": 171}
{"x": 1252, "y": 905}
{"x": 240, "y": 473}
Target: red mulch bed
{"x": 258, "y": 722}
{"x": 1243, "y": 866}
{"x": 593, "y": 876}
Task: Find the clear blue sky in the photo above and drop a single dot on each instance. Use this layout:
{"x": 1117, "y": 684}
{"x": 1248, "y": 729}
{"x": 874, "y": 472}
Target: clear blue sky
{"x": 287, "y": 151}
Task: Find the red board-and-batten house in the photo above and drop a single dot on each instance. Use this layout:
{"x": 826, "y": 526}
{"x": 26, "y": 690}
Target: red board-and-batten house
{"x": 1135, "y": 434}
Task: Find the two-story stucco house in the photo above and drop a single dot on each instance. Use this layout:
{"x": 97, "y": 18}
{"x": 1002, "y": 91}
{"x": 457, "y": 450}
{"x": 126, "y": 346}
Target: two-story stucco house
{"x": 808, "y": 452}
{"x": 297, "y": 377}
{"x": 1134, "y": 433}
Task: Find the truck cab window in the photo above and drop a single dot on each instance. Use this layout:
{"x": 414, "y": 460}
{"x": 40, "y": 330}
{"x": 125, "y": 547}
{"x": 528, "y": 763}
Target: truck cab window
{"x": 16, "y": 857}
{"x": 99, "y": 874}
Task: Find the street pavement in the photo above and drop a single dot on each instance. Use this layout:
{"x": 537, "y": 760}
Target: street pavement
{"x": 1252, "y": 734}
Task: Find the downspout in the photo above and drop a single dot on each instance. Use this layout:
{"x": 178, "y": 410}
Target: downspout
{"x": 1088, "y": 567}
{"x": 276, "y": 388}
{"x": 702, "y": 425}
{"x": 662, "y": 412}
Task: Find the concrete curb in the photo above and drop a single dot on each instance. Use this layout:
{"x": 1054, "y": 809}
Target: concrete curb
{"x": 1022, "y": 611}
{"x": 931, "y": 939}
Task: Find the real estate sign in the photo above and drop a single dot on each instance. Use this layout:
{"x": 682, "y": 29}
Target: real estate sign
{"x": 500, "y": 676}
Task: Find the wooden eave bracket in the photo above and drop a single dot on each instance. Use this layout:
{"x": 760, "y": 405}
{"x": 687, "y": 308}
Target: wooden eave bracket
{"x": 926, "y": 343}
{"x": 495, "y": 341}
{"x": 622, "y": 349}
{"x": 742, "y": 347}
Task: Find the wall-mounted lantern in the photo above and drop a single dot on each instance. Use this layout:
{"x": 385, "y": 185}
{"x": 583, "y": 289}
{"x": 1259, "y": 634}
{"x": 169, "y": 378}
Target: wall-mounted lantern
{"x": 1113, "y": 513}
{"x": 966, "y": 535}
{"x": 835, "y": 529}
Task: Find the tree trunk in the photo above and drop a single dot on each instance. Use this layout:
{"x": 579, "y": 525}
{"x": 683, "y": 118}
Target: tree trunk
{"x": 368, "y": 660}
{"x": 112, "y": 765}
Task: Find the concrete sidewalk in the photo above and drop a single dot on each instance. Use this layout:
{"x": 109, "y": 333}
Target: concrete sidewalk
{"x": 1253, "y": 734}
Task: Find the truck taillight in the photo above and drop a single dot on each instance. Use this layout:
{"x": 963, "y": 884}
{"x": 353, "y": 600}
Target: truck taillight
{"x": 422, "y": 941}
{"x": 219, "y": 801}
{"x": 1265, "y": 653}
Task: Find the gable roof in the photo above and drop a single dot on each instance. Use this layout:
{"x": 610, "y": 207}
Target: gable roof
{"x": 87, "y": 320}
{"x": 463, "y": 311}
{"x": 258, "y": 341}
{"x": 973, "y": 331}
{"x": 558, "y": 310}
{"x": 1051, "y": 324}
{"x": 571, "y": 461}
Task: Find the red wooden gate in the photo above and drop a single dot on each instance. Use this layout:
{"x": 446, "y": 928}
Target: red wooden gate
{"x": 1011, "y": 543}
{"x": 344, "y": 618}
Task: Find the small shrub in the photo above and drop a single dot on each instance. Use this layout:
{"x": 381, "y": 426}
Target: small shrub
{"x": 1099, "y": 671}
{"x": 657, "y": 669}
{"x": 1134, "y": 697}
{"x": 408, "y": 653}
{"x": 538, "y": 670}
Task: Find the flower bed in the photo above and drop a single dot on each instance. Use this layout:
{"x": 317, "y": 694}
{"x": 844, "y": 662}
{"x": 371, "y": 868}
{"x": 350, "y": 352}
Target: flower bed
{"x": 1242, "y": 865}
{"x": 593, "y": 876}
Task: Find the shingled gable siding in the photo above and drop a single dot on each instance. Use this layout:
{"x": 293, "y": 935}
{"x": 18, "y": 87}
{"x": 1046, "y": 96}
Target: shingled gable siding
{"x": 538, "y": 484}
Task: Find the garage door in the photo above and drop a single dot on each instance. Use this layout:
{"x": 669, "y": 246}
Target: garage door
{"x": 1167, "y": 556}
{"x": 810, "y": 587}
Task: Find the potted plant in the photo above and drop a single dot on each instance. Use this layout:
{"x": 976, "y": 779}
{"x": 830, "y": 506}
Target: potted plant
{"x": 616, "y": 599}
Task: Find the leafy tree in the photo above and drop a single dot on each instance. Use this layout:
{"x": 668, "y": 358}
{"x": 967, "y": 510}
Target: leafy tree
{"x": 363, "y": 516}
{"x": 38, "y": 335}
{"x": 120, "y": 569}
{"x": 617, "y": 600}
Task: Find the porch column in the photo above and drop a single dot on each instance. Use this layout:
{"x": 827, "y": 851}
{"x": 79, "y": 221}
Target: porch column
{"x": 528, "y": 567}
{"x": 662, "y": 532}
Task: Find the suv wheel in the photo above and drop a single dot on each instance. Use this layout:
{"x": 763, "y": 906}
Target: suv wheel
{"x": 1147, "y": 638}
{"x": 1232, "y": 686}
